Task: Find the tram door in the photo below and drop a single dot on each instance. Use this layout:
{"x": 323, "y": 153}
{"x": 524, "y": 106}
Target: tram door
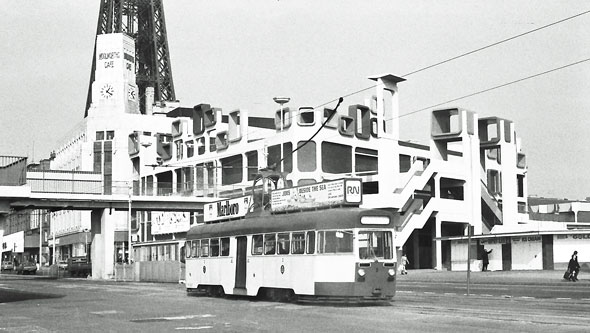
{"x": 241, "y": 262}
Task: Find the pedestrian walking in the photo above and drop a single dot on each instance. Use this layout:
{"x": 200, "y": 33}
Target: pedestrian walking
{"x": 485, "y": 259}
{"x": 403, "y": 262}
{"x": 573, "y": 267}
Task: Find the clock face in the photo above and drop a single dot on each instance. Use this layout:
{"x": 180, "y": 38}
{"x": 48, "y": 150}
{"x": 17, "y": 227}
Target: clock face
{"x": 107, "y": 91}
{"x": 131, "y": 93}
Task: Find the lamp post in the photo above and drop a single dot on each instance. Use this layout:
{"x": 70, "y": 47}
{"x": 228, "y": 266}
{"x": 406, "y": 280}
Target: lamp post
{"x": 86, "y": 243}
{"x": 281, "y": 101}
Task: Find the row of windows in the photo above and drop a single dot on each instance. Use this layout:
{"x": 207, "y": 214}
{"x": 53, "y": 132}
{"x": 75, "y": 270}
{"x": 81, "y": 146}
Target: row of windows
{"x": 284, "y": 243}
{"x": 214, "y": 247}
{"x": 302, "y": 242}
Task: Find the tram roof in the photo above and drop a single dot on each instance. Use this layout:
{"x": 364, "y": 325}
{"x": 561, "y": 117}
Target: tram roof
{"x": 335, "y": 218}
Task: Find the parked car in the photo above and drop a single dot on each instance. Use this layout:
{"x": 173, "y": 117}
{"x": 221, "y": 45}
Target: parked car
{"x": 63, "y": 265}
{"x": 79, "y": 266}
{"x": 7, "y": 266}
{"x": 27, "y": 267}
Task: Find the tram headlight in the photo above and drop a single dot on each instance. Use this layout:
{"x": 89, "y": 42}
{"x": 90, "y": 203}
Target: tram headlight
{"x": 361, "y": 272}
{"x": 391, "y": 272}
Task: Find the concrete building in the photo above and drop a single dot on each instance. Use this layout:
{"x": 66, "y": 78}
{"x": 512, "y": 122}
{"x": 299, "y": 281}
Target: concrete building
{"x": 473, "y": 172}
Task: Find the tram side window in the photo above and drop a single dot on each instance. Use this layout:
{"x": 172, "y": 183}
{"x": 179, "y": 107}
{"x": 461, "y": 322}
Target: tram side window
{"x": 257, "y": 244}
{"x": 336, "y": 241}
{"x": 298, "y": 243}
{"x": 204, "y": 248}
{"x": 195, "y": 249}
{"x": 225, "y": 247}
{"x": 310, "y": 242}
{"x": 214, "y": 247}
{"x": 283, "y": 243}
{"x": 270, "y": 244}
{"x": 187, "y": 249}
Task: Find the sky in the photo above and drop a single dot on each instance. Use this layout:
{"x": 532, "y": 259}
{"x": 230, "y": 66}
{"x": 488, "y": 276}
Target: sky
{"x": 241, "y": 54}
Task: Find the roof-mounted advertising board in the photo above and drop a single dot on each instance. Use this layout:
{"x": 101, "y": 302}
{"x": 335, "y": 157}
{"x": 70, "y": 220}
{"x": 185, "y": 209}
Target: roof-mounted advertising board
{"x": 346, "y": 192}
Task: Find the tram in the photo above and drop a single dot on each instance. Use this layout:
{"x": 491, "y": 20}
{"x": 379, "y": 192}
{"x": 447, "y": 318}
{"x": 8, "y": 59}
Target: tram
{"x": 335, "y": 254}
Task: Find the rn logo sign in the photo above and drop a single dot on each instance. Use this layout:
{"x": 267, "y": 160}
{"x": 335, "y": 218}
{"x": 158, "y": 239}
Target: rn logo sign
{"x": 352, "y": 191}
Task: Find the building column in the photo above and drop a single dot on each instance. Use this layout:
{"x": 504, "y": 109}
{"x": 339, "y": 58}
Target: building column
{"x": 103, "y": 243}
{"x": 438, "y": 244}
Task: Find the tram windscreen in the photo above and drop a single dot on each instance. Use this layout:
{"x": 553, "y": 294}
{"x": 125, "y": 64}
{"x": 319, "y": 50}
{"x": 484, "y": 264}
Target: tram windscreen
{"x": 375, "y": 245}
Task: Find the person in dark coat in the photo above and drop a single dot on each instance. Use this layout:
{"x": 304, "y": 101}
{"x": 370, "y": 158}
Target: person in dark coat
{"x": 574, "y": 267}
{"x": 485, "y": 259}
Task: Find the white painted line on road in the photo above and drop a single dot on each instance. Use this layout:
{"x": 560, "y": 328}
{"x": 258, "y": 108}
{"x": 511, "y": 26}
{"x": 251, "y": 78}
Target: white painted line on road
{"x": 563, "y": 298}
{"x": 194, "y": 328}
{"x": 104, "y": 312}
{"x": 486, "y": 295}
{"x": 429, "y": 292}
{"x": 585, "y": 299}
{"x": 450, "y": 293}
{"x": 527, "y": 297}
{"x": 405, "y": 292}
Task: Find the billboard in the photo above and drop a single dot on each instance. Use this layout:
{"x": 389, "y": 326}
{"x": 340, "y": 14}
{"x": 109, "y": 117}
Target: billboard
{"x": 170, "y": 222}
{"x": 331, "y": 193}
{"x": 227, "y": 209}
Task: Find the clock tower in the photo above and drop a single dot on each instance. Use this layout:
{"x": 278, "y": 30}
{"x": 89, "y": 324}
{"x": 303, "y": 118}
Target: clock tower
{"x": 114, "y": 89}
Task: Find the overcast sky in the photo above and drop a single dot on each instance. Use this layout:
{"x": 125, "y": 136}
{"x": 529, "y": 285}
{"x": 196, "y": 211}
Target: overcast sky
{"x": 240, "y": 54}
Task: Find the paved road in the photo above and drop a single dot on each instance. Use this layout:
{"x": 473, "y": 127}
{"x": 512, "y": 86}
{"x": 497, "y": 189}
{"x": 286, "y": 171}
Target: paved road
{"x": 30, "y": 304}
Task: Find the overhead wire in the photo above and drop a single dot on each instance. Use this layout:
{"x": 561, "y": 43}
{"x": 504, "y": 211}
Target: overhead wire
{"x": 340, "y": 99}
{"x": 488, "y": 89}
{"x": 469, "y": 53}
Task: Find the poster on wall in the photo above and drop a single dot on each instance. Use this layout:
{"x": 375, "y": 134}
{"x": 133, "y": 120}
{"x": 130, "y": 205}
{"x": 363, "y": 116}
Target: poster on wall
{"x": 170, "y": 222}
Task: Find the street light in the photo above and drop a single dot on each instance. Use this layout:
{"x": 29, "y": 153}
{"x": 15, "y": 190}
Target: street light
{"x": 281, "y": 101}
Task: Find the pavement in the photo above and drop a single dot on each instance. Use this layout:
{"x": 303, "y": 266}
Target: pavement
{"x": 528, "y": 277}
{"x": 534, "y": 277}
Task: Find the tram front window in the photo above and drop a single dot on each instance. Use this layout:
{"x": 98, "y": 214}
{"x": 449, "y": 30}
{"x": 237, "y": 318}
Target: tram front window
{"x": 375, "y": 245}
{"x": 335, "y": 241}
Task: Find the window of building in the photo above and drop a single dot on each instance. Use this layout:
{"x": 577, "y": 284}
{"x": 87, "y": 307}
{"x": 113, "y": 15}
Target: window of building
{"x": 452, "y": 188}
{"x": 232, "y": 169}
{"x": 190, "y": 148}
{"x": 520, "y": 182}
{"x": 257, "y": 243}
{"x": 274, "y": 156}
{"x": 179, "y": 149}
{"x": 110, "y": 135}
{"x": 252, "y": 164}
{"x": 201, "y": 147}
{"x": 283, "y": 242}
{"x": 494, "y": 181}
{"x": 212, "y": 145}
{"x": 365, "y": 161}
{"x": 270, "y": 244}
{"x": 405, "y": 163}
{"x": 335, "y": 241}
{"x": 298, "y": 243}
{"x": 306, "y": 156}
{"x": 99, "y": 135}
{"x": 336, "y": 158}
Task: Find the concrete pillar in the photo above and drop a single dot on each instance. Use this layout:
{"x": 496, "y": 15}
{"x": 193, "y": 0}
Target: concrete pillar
{"x": 438, "y": 244}
{"x": 103, "y": 243}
